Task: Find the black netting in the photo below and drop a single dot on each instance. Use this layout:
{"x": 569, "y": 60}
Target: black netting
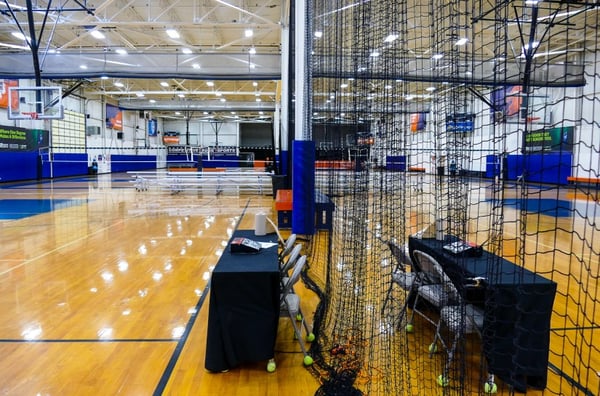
{"x": 420, "y": 132}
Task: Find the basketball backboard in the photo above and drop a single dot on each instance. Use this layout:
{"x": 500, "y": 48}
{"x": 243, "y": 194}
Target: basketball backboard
{"x": 35, "y": 103}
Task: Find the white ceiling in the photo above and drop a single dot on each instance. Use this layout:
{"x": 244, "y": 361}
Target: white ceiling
{"x": 212, "y": 60}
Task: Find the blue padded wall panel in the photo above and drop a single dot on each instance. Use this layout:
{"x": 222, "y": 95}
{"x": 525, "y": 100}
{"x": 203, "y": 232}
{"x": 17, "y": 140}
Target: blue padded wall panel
{"x": 65, "y": 164}
{"x": 395, "y": 163}
{"x": 548, "y": 167}
{"x": 18, "y": 165}
{"x": 124, "y": 163}
{"x": 303, "y": 187}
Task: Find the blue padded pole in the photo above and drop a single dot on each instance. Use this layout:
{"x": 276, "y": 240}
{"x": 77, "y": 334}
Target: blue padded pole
{"x": 303, "y": 192}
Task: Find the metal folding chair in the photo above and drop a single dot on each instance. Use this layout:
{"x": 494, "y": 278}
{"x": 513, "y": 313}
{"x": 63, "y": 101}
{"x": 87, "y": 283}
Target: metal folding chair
{"x": 290, "y": 307}
{"x": 460, "y": 318}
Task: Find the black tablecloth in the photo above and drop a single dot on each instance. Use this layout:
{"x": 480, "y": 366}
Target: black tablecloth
{"x": 518, "y": 306}
{"x": 244, "y": 306}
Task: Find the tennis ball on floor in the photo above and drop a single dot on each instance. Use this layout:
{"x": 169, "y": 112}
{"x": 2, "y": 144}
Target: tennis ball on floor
{"x": 490, "y": 388}
{"x": 271, "y": 366}
{"x": 433, "y": 348}
{"x": 409, "y": 328}
{"x": 442, "y": 381}
{"x": 308, "y": 360}
{"x": 310, "y": 337}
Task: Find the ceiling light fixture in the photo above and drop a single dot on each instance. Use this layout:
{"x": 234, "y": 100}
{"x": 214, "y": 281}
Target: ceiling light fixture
{"x": 462, "y": 41}
{"x": 210, "y": 83}
{"x": 248, "y": 33}
{"x": 252, "y": 51}
{"x": 164, "y": 84}
{"x": 438, "y": 56}
{"x": 98, "y": 34}
{"x": 186, "y": 51}
{"x": 390, "y": 38}
{"x": 318, "y": 34}
{"x": 121, "y": 51}
{"x": 174, "y": 34}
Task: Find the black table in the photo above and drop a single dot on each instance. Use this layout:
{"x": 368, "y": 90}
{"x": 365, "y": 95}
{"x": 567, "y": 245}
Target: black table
{"x": 244, "y": 306}
{"x": 517, "y": 306}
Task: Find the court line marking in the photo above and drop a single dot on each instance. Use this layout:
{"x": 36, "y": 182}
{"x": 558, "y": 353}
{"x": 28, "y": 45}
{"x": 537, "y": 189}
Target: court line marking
{"x": 166, "y": 376}
{"x": 91, "y": 340}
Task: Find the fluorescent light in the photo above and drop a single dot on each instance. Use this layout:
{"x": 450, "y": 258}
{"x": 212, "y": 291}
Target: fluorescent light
{"x": 174, "y": 34}
{"x": 248, "y": 33}
{"x": 83, "y": 67}
{"x": 121, "y": 51}
{"x": 254, "y": 84}
{"x": 343, "y": 85}
{"x": 252, "y": 51}
{"x": 390, "y": 38}
{"x": 318, "y": 34}
{"x": 375, "y": 53}
{"x": 186, "y": 51}
{"x": 462, "y": 41}
{"x": 430, "y": 89}
{"x": 196, "y": 66}
{"x": 438, "y": 56}
{"x": 119, "y": 84}
{"x": 164, "y": 84}
{"x": 534, "y": 44}
{"x": 20, "y": 36}
{"x": 210, "y": 83}
{"x": 98, "y": 34}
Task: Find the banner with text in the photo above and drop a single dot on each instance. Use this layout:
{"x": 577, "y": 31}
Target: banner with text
{"x": 21, "y": 139}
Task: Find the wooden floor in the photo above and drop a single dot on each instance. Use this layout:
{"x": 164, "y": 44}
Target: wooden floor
{"x": 108, "y": 294}
{"x": 105, "y": 292}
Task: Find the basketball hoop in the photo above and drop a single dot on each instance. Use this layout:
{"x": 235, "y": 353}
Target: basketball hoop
{"x": 33, "y": 115}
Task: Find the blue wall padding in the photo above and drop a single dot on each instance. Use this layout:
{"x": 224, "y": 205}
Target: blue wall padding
{"x": 283, "y": 162}
{"x": 65, "y": 164}
{"x": 303, "y": 187}
{"x": 18, "y": 165}
{"x": 395, "y": 163}
{"x": 124, "y": 163}
{"x": 492, "y": 165}
{"x": 222, "y": 161}
{"x": 540, "y": 168}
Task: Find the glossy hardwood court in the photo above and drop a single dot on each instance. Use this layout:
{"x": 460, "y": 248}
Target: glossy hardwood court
{"x": 104, "y": 291}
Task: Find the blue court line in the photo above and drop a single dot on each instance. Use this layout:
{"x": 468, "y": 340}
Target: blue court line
{"x": 96, "y": 340}
{"x": 164, "y": 379}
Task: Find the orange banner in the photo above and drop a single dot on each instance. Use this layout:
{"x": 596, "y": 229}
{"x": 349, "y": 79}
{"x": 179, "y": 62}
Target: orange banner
{"x": 4, "y": 85}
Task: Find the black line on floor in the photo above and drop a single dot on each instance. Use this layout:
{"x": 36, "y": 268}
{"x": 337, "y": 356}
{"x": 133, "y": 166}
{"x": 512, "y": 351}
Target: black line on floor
{"x": 575, "y": 328}
{"x": 164, "y": 379}
{"x": 570, "y": 380}
{"x": 18, "y": 340}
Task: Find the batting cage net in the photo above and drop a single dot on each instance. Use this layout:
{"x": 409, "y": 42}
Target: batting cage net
{"x": 459, "y": 144}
